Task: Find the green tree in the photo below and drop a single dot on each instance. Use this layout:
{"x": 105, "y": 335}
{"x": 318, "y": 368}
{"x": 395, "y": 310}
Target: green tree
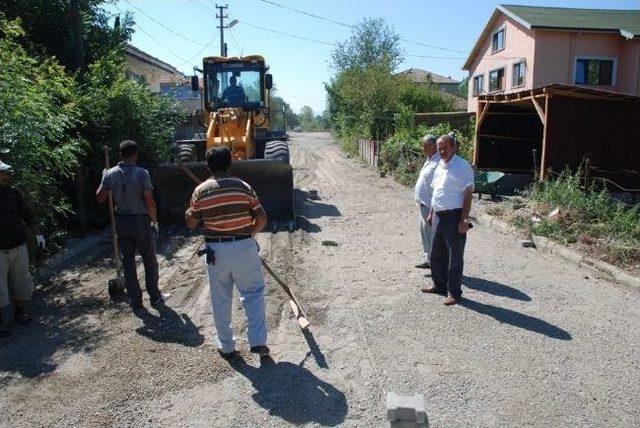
{"x": 276, "y": 106}
{"x": 48, "y": 25}
{"x": 372, "y": 42}
{"x": 39, "y": 116}
{"x": 115, "y": 108}
{"x": 463, "y": 88}
{"x": 307, "y": 118}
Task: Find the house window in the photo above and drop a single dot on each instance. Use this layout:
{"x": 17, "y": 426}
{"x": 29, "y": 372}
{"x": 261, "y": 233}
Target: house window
{"x": 517, "y": 78}
{"x": 478, "y": 85}
{"x": 496, "y": 80}
{"x": 595, "y": 71}
{"x": 497, "y": 40}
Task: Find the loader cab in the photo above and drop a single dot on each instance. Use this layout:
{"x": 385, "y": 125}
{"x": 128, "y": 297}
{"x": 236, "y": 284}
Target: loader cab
{"x": 236, "y": 82}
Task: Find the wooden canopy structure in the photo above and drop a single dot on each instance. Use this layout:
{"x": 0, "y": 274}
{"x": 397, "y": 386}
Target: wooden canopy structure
{"x": 551, "y": 128}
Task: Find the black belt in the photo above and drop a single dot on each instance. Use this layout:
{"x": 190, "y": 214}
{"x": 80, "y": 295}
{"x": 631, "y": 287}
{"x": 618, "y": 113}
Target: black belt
{"x": 445, "y": 212}
{"x": 227, "y": 238}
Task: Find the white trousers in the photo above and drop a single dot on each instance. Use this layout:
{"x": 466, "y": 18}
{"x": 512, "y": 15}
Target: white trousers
{"x": 237, "y": 263}
{"x": 426, "y": 232}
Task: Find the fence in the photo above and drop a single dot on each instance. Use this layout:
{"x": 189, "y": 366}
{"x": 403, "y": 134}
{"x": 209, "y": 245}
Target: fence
{"x": 368, "y": 150}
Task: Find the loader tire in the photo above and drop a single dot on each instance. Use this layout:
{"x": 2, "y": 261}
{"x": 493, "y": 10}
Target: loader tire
{"x": 184, "y": 152}
{"x": 277, "y": 150}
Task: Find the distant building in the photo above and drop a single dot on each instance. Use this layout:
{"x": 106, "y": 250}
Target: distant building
{"x": 156, "y": 73}
{"x": 445, "y": 84}
{"x": 525, "y": 47}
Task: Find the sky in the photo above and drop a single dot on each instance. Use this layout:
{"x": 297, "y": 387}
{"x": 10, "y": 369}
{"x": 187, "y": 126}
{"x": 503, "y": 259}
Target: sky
{"x": 182, "y": 32}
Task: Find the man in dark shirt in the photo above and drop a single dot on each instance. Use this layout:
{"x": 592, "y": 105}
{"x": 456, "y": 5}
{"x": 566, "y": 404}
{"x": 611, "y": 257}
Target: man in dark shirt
{"x": 234, "y": 95}
{"x": 136, "y": 222}
{"x": 15, "y": 279}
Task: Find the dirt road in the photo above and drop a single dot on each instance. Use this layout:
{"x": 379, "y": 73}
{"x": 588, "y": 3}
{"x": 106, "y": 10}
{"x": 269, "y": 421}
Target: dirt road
{"x": 535, "y": 342}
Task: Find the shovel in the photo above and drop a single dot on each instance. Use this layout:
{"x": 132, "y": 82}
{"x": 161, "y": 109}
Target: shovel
{"x": 116, "y": 286}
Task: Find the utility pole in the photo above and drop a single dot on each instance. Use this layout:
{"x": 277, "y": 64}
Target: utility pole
{"x": 222, "y": 17}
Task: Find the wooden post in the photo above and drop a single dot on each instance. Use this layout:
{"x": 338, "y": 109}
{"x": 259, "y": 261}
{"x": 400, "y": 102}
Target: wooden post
{"x": 541, "y": 112}
{"x": 481, "y": 112}
{"x": 545, "y": 141}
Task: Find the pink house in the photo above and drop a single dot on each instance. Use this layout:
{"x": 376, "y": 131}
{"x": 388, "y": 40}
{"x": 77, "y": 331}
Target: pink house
{"x": 526, "y": 47}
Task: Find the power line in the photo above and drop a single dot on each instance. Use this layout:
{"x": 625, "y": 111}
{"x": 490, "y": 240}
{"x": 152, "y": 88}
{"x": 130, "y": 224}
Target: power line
{"x": 203, "y": 5}
{"x": 163, "y": 25}
{"x": 285, "y": 34}
{"x": 324, "y": 18}
{"x": 241, "y": 46}
{"x": 293, "y": 9}
{"x": 157, "y": 41}
{"x": 199, "y": 53}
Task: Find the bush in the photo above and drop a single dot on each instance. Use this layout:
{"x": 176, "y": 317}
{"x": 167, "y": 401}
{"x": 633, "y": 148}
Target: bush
{"x": 116, "y": 108}
{"x": 586, "y": 215}
{"x": 402, "y": 155}
{"x": 39, "y": 113}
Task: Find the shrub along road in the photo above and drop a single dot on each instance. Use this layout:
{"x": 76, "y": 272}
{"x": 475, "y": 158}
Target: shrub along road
{"x": 535, "y": 341}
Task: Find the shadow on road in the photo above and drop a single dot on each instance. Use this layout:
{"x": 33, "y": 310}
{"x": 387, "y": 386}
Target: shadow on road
{"x": 314, "y": 350}
{"x": 495, "y": 288}
{"x": 58, "y": 326}
{"x": 169, "y": 327}
{"x": 309, "y": 209}
{"x": 293, "y": 393}
{"x": 517, "y": 319}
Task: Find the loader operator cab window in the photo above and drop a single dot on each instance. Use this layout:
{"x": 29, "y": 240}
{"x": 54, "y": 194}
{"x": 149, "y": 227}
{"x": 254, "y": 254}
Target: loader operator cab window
{"x": 234, "y": 95}
{"x": 234, "y": 85}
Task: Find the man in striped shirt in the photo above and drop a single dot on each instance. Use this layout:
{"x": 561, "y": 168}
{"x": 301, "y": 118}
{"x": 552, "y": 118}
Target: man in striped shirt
{"x": 231, "y": 214}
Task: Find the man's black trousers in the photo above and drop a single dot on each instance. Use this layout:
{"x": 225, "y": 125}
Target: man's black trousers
{"x": 135, "y": 234}
{"x": 447, "y": 253}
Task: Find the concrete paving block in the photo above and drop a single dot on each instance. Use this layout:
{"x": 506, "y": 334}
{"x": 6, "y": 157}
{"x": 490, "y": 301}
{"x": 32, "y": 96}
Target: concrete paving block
{"x": 406, "y": 411}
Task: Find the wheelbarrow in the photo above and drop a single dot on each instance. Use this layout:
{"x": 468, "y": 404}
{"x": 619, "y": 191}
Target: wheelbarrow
{"x": 488, "y": 183}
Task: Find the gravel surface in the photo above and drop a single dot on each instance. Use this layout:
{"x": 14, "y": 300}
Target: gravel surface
{"x": 535, "y": 341}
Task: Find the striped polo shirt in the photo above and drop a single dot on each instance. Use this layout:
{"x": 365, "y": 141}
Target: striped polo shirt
{"x": 225, "y": 207}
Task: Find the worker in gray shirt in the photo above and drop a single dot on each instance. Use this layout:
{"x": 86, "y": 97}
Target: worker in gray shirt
{"x": 136, "y": 222}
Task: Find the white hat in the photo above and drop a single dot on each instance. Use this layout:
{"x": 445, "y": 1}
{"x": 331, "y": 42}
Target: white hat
{"x": 5, "y": 168}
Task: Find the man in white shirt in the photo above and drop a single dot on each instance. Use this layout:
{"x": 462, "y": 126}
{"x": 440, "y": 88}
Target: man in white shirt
{"x": 422, "y": 195}
{"x": 450, "y": 205}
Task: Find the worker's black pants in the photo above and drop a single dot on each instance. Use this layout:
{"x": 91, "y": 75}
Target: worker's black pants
{"x": 135, "y": 233}
{"x": 447, "y": 253}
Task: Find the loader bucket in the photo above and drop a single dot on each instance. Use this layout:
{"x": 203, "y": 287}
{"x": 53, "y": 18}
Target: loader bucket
{"x": 272, "y": 179}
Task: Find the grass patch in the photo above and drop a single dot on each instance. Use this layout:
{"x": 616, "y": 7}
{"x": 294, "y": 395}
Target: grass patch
{"x": 564, "y": 210}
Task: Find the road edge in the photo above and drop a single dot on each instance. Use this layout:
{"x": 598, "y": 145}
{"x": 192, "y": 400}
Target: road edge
{"x": 546, "y": 245}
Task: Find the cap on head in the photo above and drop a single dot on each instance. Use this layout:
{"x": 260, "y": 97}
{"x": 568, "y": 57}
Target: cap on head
{"x": 6, "y": 168}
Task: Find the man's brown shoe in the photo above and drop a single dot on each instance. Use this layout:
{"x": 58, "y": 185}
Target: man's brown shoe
{"x": 449, "y": 301}
{"x": 433, "y": 290}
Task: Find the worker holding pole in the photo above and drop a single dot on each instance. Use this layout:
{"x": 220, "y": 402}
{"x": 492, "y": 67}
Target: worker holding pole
{"x": 16, "y": 283}
{"x": 136, "y": 222}
{"x": 231, "y": 214}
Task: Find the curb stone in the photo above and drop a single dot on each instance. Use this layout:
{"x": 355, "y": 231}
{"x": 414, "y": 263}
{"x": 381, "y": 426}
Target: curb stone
{"x": 544, "y": 244}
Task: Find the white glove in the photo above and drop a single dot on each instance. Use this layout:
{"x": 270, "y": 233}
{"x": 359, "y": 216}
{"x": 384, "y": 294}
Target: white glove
{"x": 155, "y": 229}
{"x": 41, "y": 242}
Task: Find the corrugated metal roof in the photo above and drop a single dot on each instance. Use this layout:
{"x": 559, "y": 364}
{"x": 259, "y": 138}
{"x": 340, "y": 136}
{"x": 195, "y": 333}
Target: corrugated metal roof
{"x": 625, "y": 22}
{"x": 421, "y": 76}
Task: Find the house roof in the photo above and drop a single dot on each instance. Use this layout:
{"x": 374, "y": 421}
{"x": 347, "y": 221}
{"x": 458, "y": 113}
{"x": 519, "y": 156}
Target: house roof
{"x": 623, "y": 22}
{"x": 422, "y": 76}
{"x": 145, "y": 57}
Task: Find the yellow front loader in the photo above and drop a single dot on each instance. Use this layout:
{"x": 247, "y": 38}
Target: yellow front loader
{"x": 236, "y": 115}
